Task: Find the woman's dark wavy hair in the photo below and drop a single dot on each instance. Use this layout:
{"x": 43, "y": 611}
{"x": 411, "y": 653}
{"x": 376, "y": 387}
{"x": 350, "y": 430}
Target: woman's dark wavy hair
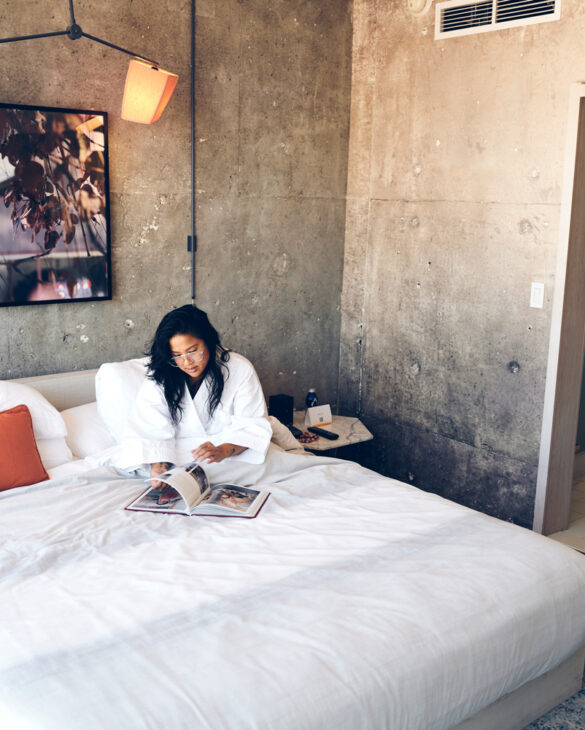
{"x": 186, "y": 320}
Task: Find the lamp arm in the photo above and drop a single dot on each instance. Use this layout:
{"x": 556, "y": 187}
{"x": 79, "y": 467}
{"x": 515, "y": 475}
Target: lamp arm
{"x": 119, "y": 48}
{"x": 74, "y": 32}
{"x": 32, "y": 37}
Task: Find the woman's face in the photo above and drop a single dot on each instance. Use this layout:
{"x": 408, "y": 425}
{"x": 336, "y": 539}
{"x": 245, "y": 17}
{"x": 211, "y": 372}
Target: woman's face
{"x": 190, "y": 354}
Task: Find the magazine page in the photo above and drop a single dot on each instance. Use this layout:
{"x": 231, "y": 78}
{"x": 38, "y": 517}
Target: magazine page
{"x": 160, "y": 500}
{"x": 189, "y": 480}
{"x": 230, "y": 498}
{"x": 183, "y": 488}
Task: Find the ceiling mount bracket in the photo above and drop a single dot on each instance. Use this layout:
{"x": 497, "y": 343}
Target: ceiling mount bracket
{"x": 74, "y": 32}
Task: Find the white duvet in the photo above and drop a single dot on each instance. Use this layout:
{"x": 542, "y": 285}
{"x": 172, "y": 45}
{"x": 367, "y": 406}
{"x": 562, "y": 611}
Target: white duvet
{"x": 351, "y": 601}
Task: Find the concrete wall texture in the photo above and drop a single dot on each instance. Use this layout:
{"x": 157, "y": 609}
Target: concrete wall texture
{"x": 454, "y": 188}
{"x": 372, "y": 207}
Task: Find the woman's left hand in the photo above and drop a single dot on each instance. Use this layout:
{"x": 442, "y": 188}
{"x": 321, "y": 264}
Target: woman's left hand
{"x": 210, "y": 454}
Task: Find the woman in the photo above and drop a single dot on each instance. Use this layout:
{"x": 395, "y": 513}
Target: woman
{"x": 200, "y": 401}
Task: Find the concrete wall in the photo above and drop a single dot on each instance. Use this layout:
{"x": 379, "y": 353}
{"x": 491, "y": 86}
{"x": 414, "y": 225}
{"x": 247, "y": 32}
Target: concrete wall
{"x": 454, "y": 186}
{"x": 273, "y": 124}
{"x": 272, "y": 99}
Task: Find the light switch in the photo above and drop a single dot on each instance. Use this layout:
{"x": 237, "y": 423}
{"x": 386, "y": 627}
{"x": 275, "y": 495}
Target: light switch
{"x": 537, "y": 295}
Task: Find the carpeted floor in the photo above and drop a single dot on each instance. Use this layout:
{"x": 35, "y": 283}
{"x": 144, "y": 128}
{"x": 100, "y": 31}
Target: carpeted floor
{"x": 570, "y": 715}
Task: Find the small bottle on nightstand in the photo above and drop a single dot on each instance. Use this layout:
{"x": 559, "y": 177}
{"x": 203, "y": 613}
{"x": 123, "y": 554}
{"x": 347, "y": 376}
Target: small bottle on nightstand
{"x": 311, "y": 398}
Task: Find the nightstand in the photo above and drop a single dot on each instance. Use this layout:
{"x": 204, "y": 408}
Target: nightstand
{"x": 351, "y": 431}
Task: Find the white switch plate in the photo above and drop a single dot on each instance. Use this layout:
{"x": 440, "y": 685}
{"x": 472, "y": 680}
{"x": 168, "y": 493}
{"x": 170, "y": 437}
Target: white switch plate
{"x": 537, "y": 295}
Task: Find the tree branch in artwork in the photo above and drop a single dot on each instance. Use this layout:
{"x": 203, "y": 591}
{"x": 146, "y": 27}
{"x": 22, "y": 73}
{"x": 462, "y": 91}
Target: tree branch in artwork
{"x": 57, "y": 184}
{"x": 53, "y": 183}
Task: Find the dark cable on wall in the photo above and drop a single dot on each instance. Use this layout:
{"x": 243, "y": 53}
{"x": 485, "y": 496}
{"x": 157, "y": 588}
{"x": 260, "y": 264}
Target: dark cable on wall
{"x": 193, "y": 237}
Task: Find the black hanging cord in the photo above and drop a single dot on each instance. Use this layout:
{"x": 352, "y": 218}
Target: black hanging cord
{"x": 74, "y": 30}
{"x": 193, "y": 237}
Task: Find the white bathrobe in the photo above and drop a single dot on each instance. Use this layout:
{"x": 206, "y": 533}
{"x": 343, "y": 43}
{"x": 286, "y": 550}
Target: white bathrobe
{"x": 240, "y": 418}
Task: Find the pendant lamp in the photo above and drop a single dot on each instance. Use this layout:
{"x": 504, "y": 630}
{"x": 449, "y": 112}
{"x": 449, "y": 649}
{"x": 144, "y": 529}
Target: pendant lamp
{"x": 148, "y": 88}
{"x": 147, "y": 91}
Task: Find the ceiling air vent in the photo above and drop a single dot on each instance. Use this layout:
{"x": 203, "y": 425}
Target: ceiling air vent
{"x": 457, "y": 17}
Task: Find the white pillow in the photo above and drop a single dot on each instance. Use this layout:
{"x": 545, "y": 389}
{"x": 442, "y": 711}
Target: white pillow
{"x": 46, "y": 419}
{"x": 116, "y": 387}
{"x": 86, "y": 432}
{"x": 54, "y": 452}
{"x": 282, "y": 437}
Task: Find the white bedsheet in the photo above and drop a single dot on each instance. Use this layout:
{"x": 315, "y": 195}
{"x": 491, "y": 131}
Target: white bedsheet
{"x": 352, "y": 601}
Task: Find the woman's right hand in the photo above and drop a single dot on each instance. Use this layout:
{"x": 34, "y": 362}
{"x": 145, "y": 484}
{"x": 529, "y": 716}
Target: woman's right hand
{"x": 159, "y": 467}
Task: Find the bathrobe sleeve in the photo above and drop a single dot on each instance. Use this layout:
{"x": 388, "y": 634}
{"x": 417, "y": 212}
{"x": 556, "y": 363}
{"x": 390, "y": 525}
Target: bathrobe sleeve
{"x": 150, "y": 432}
{"x": 241, "y": 415}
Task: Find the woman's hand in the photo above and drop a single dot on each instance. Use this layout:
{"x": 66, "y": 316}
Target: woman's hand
{"x": 156, "y": 469}
{"x": 210, "y": 454}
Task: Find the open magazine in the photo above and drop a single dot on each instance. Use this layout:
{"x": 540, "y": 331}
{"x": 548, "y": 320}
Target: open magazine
{"x": 186, "y": 491}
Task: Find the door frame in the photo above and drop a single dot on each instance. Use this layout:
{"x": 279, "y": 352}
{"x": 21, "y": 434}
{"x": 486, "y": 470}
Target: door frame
{"x": 567, "y": 336}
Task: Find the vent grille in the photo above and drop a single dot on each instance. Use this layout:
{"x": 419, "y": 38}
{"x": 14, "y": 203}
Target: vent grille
{"x": 507, "y": 10}
{"x": 457, "y": 17}
{"x": 467, "y": 16}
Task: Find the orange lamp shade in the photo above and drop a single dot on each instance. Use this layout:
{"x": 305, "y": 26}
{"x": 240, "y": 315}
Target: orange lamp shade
{"x": 147, "y": 92}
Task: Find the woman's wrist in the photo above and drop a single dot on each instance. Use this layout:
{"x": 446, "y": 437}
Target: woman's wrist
{"x": 234, "y": 450}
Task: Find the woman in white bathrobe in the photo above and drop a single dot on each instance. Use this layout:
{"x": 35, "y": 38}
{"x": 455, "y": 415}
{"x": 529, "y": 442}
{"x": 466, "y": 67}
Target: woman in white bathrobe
{"x": 200, "y": 401}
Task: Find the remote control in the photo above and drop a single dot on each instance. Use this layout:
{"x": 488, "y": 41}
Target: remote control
{"x": 295, "y": 431}
{"x": 322, "y": 432}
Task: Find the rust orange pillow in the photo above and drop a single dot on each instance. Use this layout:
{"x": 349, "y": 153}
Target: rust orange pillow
{"x": 20, "y": 463}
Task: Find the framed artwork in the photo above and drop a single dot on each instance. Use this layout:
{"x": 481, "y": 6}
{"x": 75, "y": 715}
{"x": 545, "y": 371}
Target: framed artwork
{"x": 54, "y": 205}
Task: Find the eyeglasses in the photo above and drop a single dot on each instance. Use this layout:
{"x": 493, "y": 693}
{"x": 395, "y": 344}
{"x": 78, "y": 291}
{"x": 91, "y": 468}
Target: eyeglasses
{"x": 191, "y": 357}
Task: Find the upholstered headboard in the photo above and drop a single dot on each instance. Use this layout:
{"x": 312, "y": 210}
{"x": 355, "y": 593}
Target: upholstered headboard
{"x": 65, "y": 390}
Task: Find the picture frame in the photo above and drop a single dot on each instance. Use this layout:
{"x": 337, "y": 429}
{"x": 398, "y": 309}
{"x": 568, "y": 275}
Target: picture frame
{"x": 54, "y": 206}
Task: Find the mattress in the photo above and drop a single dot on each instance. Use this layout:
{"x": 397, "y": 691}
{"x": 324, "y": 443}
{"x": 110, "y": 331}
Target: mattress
{"x": 351, "y": 601}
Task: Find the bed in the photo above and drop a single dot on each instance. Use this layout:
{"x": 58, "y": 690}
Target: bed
{"x": 351, "y": 601}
